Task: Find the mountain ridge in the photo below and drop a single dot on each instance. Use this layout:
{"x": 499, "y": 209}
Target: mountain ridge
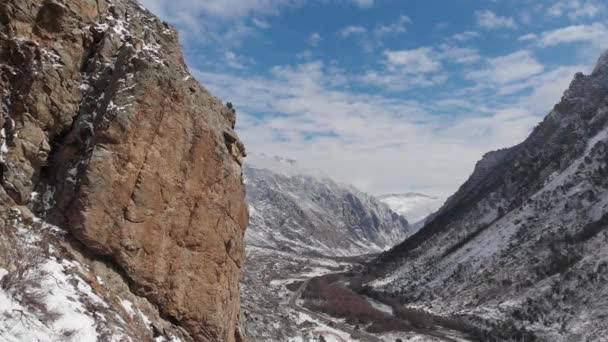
{"x": 521, "y": 229}
{"x": 297, "y": 207}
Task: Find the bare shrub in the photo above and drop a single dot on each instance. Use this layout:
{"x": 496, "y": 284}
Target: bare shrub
{"x": 24, "y": 255}
{"x": 327, "y": 296}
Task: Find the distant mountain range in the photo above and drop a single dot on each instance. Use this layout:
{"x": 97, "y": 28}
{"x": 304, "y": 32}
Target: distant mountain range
{"x": 301, "y": 210}
{"x": 301, "y": 225}
{"x": 412, "y": 205}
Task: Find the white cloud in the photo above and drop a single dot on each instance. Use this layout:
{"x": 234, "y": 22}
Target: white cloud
{"x": 399, "y": 26}
{"x": 504, "y": 69}
{"x": 396, "y": 81}
{"x": 489, "y": 20}
{"x": 528, "y": 37}
{"x": 459, "y": 55}
{"x": 364, "y": 3}
{"x": 596, "y": 34}
{"x": 419, "y": 67}
{"x": 464, "y": 36}
{"x": 234, "y": 61}
{"x": 575, "y": 9}
{"x": 420, "y": 60}
{"x": 230, "y": 9}
{"x": 261, "y": 24}
{"x": 351, "y": 31}
{"x": 545, "y": 90}
{"x": 315, "y": 112}
{"x": 379, "y": 143}
{"x": 226, "y": 21}
{"x": 314, "y": 39}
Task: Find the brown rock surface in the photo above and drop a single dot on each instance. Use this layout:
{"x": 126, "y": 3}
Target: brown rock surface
{"x": 128, "y": 152}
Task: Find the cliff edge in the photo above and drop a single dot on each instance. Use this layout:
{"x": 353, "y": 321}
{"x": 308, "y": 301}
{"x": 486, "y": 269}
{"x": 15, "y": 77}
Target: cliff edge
{"x": 105, "y": 134}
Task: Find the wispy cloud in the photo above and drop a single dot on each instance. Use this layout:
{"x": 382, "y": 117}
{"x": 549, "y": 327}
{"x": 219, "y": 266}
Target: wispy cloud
{"x": 595, "y": 34}
{"x": 314, "y": 39}
{"x": 399, "y": 26}
{"x": 528, "y": 37}
{"x": 464, "y": 36}
{"x": 576, "y": 9}
{"x": 413, "y": 109}
{"x": 458, "y": 55}
{"x": 372, "y": 141}
{"x": 364, "y": 3}
{"x": 352, "y": 31}
{"x": 504, "y": 69}
{"x": 235, "y": 61}
{"x": 489, "y": 20}
{"x": 227, "y": 21}
{"x": 420, "y": 60}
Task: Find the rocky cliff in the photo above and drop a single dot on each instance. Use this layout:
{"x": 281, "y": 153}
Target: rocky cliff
{"x": 105, "y": 134}
{"x": 519, "y": 251}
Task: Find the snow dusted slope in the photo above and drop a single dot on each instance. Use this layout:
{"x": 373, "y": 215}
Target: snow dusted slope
{"x": 520, "y": 250}
{"x": 301, "y": 210}
{"x": 412, "y": 205}
{"x": 50, "y": 292}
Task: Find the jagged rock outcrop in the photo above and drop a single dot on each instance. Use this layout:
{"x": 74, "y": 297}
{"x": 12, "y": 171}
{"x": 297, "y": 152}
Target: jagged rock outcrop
{"x": 104, "y": 127}
{"x": 519, "y": 252}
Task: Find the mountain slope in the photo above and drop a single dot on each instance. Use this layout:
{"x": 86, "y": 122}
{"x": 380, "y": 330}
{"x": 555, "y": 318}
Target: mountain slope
{"x": 301, "y": 211}
{"x": 519, "y": 249}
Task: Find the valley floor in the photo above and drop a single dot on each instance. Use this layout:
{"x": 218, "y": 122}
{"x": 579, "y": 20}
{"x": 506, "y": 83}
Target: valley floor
{"x": 273, "y": 287}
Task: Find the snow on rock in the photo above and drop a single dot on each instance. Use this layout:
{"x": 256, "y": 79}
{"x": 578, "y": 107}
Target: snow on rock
{"x": 48, "y": 301}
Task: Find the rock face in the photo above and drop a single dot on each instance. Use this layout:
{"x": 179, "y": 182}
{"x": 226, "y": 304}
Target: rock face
{"x": 301, "y": 211}
{"x": 520, "y": 250}
{"x": 102, "y": 122}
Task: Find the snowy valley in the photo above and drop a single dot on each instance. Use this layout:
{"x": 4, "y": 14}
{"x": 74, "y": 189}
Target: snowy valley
{"x": 304, "y": 225}
{"x": 515, "y": 255}
{"x": 130, "y": 209}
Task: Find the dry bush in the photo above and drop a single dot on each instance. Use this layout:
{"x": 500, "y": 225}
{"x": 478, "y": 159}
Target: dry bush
{"x": 417, "y": 317}
{"x": 23, "y": 257}
{"x": 335, "y": 299}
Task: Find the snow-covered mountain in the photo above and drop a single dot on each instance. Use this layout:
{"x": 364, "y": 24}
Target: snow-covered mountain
{"x": 519, "y": 251}
{"x": 301, "y": 210}
{"x": 413, "y": 206}
{"x": 301, "y": 225}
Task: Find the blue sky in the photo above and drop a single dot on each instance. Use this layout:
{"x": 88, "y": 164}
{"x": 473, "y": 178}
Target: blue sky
{"x": 388, "y": 95}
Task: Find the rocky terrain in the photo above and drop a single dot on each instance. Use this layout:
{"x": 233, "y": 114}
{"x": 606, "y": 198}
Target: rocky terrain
{"x": 519, "y": 252}
{"x": 122, "y": 206}
{"x": 303, "y": 224}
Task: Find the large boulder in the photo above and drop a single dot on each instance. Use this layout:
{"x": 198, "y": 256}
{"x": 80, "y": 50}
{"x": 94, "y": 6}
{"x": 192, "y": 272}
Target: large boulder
{"x": 128, "y": 153}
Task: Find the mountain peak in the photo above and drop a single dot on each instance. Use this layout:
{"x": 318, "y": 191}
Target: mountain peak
{"x": 602, "y": 63}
